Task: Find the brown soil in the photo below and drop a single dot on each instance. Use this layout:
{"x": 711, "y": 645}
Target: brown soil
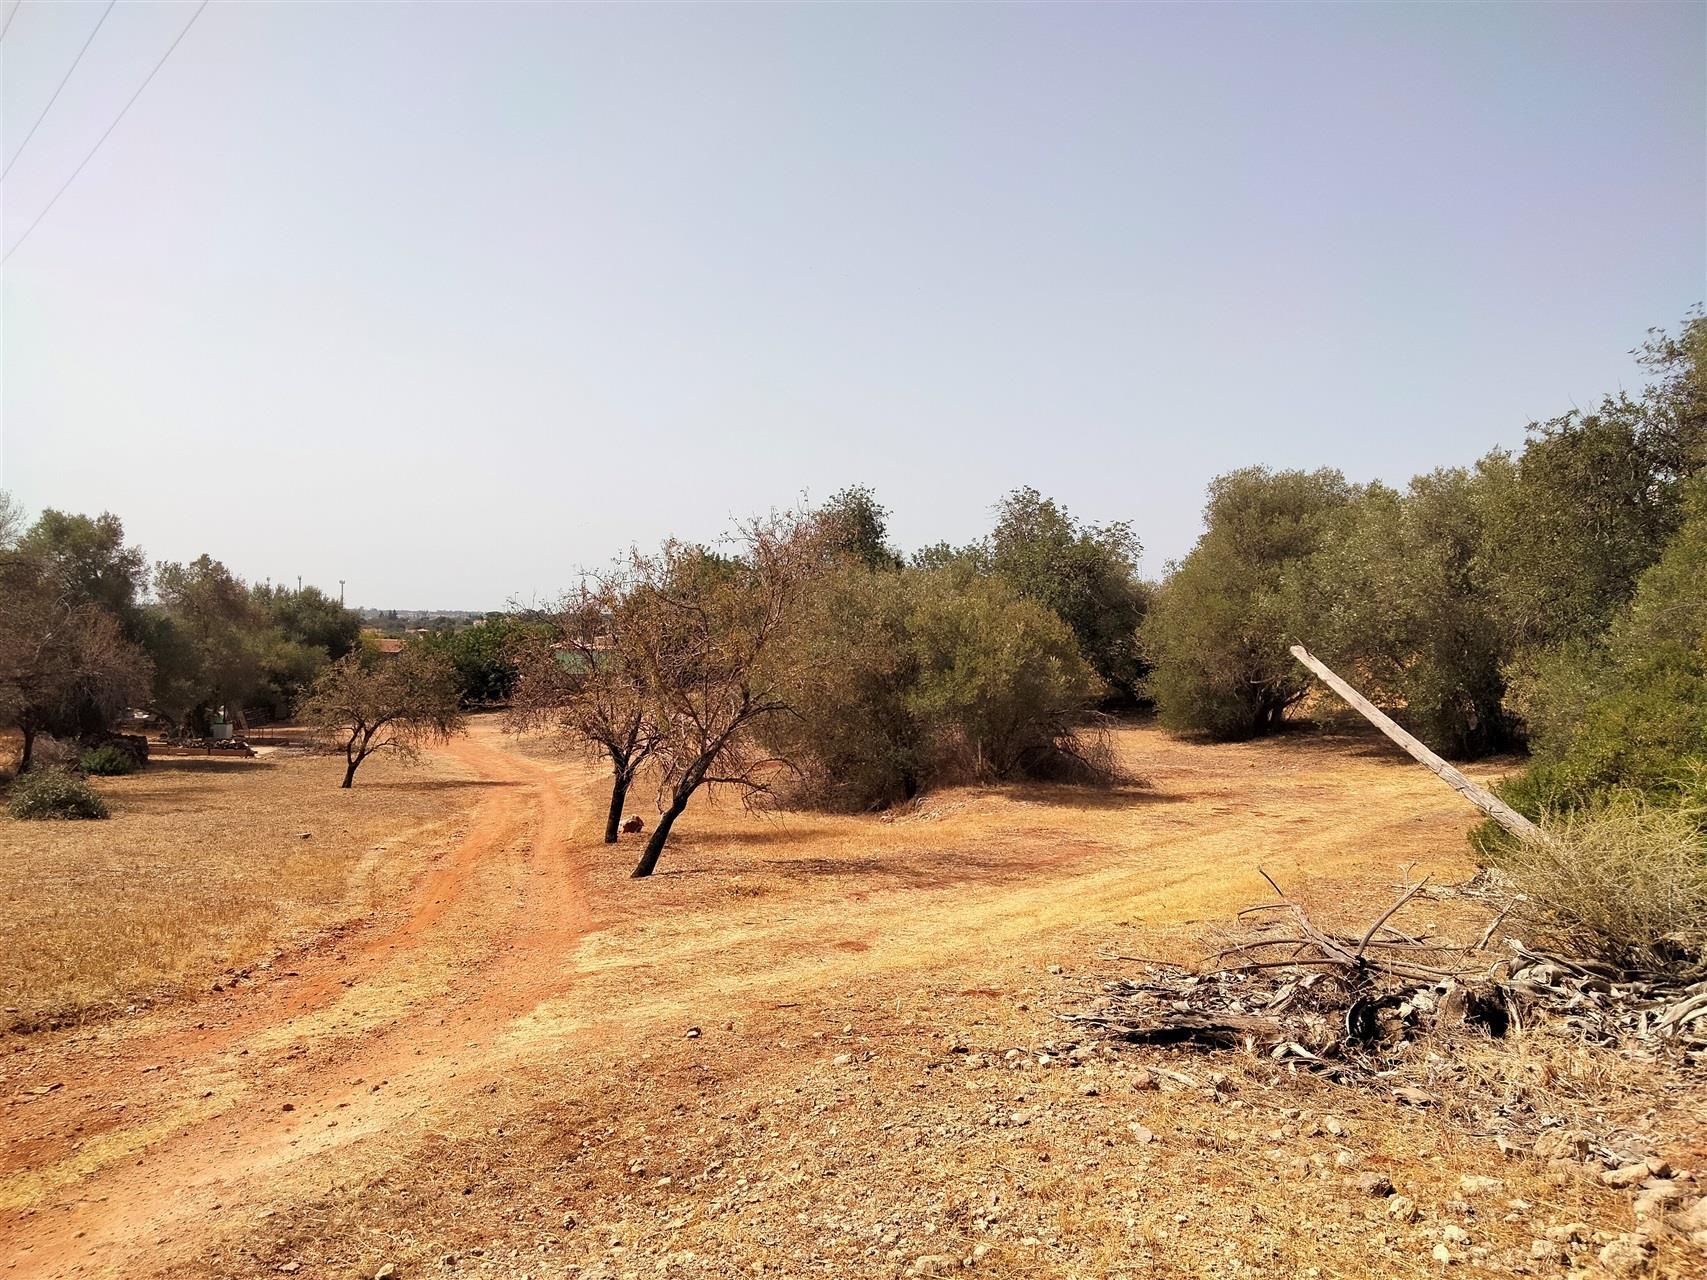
{"x": 532, "y": 1065}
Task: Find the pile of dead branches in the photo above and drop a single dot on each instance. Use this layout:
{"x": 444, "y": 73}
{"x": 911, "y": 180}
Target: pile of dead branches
{"x": 1361, "y": 1005}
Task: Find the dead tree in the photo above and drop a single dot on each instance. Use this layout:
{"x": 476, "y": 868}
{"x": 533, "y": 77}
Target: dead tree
{"x": 581, "y": 682}
{"x": 701, "y": 629}
{"x": 362, "y": 707}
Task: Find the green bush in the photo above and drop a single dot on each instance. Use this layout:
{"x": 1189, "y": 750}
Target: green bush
{"x": 898, "y": 681}
{"x": 53, "y": 793}
{"x": 108, "y": 761}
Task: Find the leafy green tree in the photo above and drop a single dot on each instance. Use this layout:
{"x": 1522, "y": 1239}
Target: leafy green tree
{"x": 1086, "y": 574}
{"x": 90, "y": 561}
{"x": 1217, "y": 632}
{"x": 1641, "y": 697}
{"x": 855, "y": 527}
{"x": 1395, "y": 595}
{"x": 484, "y": 656}
{"x": 206, "y": 637}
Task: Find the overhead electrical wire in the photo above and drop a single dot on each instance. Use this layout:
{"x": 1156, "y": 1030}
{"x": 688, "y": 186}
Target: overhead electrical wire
{"x": 9, "y": 17}
{"x": 108, "y": 133}
{"x": 57, "y": 88}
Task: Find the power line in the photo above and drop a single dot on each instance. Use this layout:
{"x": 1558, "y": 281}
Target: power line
{"x": 115, "y": 124}
{"x": 9, "y": 17}
{"x": 61, "y": 85}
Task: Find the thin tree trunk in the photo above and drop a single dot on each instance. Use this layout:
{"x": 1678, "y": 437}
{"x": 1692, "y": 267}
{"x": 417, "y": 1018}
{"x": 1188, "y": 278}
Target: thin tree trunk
{"x": 660, "y": 833}
{"x": 618, "y": 797}
{"x": 29, "y": 748}
{"x": 350, "y": 771}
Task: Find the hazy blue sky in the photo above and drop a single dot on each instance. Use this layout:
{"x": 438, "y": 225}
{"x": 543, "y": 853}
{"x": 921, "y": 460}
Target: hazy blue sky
{"x": 446, "y": 300}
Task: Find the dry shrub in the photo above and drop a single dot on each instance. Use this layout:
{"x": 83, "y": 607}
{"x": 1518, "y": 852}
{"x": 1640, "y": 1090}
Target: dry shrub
{"x": 1624, "y": 881}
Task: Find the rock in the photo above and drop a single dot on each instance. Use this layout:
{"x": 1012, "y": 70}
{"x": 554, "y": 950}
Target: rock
{"x": 1453, "y": 1234}
{"x": 693, "y": 1033}
{"x": 387, "y": 1272}
{"x": 1628, "y": 1175}
{"x": 1373, "y": 1184}
{"x": 1474, "y": 1184}
{"x": 1509, "y": 1149}
{"x": 1659, "y": 1168}
{"x": 1142, "y": 1080}
{"x": 1570, "y": 1233}
{"x": 1443, "y": 1255}
{"x": 842, "y": 1060}
{"x": 289, "y": 1106}
{"x": 1549, "y": 1251}
{"x": 1657, "y": 1196}
{"x": 1693, "y": 1218}
{"x": 1345, "y": 1160}
{"x": 1089, "y": 1090}
{"x": 288, "y": 1268}
{"x": 935, "y": 1264}
{"x": 1140, "y": 1133}
{"x": 1626, "y": 1255}
{"x": 1402, "y": 1208}
{"x": 1562, "y": 1144}
{"x": 1413, "y": 1097}
{"x": 1335, "y": 1126}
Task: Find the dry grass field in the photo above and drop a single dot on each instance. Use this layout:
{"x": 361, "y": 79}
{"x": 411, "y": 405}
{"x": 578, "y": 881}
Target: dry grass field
{"x": 811, "y": 1045}
{"x": 206, "y": 866}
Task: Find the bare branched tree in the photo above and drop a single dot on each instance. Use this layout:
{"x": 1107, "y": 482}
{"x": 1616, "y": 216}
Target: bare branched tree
{"x": 362, "y": 706}
{"x": 699, "y": 630}
{"x": 581, "y": 683}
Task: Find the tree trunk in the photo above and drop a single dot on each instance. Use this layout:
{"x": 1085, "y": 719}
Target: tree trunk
{"x": 618, "y": 796}
{"x": 29, "y": 733}
{"x": 660, "y": 833}
{"x": 350, "y": 772}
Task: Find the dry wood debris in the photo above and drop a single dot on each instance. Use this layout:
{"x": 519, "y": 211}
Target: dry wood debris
{"x": 1363, "y": 1006}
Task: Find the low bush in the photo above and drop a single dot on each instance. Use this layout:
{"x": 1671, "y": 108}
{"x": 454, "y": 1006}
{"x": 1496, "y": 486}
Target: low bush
{"x": 108, "y": 761}
{"x": 53, "y": 793}
{"x": 1623, "y": 880}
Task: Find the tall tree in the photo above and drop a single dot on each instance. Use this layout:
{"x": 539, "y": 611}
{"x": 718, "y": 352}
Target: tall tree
{"x": 206, "y": 638}
{"x": 91, "y": 563}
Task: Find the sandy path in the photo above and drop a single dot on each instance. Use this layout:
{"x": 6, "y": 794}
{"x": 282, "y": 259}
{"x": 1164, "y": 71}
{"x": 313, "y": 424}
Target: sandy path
{"x": 152, "y": 1133}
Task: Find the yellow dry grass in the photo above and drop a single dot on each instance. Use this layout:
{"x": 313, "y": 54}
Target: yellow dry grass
{"x": 202, "y": 868}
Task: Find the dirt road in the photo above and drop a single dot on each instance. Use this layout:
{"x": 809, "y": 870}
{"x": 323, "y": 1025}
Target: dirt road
{"x": 527, "y": 1066}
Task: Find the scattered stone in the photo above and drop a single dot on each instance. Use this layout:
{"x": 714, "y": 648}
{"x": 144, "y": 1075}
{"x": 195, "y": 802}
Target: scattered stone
{"x": 1549, "y": 1251}
{"x": 1345, "y": 1160}
{"x": 1402, "y": 1208}
{"x": 1443, "y": 1255}
{"x": 1627, "y": 1176}
{"x": 1140, "y": 1133}
{"x": 1626, "y": 1255}
{"x": 1373, "y": 1184}
{"x": 289, "y": 1106}
{"x": 1142, "y": 1080}
{"x": 1336, "y": 1126}
{"x": 935, "y": 1264}
{"x": 1475, "y": 1184}
{"x": 1454, "y": 1234}
{"x": 387, "y": 1272}
{"x": 1562, "y": 1144}
{"x": 1657, "y": 1196}
{"x": 1692, "y": 1219}
{"x": 693, "y": 1033}
{"x": 842, "y": 1060}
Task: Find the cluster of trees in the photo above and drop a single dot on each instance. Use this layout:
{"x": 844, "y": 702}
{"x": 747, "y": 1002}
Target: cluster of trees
{"x": 1549, "y": 597}
{"x": 91, "y": 629}
{"x": 810, "y": 663}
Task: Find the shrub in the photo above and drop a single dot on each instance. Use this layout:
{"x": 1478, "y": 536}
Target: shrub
{"x": 108, "y": 761}
{"x": 901, "y": 681}
{"x": 1623, "y": 880}
{"x": 53, "y": 793}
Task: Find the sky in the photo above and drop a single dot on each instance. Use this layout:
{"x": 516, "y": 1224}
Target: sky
{"x": 451, "y": 301}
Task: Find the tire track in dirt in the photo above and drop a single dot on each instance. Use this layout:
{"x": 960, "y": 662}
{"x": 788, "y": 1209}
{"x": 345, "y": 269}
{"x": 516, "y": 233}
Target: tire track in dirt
{"x": 366, "y": 1031}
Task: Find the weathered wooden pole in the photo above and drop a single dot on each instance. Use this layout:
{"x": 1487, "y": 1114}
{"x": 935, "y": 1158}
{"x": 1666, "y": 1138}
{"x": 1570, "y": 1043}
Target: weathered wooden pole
{"x": 1486, "y": 801}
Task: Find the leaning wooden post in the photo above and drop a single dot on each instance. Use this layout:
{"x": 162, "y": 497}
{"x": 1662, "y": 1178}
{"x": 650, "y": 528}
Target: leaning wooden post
{"x": 1487, "y": 802}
